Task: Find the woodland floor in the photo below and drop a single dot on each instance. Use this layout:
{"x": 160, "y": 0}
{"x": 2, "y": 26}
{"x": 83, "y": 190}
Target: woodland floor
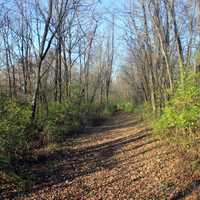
{"x": 118, "y": 160}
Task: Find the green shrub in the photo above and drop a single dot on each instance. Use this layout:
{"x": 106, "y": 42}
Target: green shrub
{"x": 3, "y": 102}
{"x": 4, "y": 162}
{"x": 145, "y": 111}
{"x": 71, "y": 117}
{"x": 12, "y": 129}
{"x": 110, "y": 109}
{"x": 62, "y": 119}
{"x": 181, "y": 116}
{"x": 125, "y": 107}
{"x": 92, "y": 114}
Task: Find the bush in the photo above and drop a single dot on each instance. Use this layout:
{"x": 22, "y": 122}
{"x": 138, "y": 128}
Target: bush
{"x": 145, "y": 111}
{"x": 4, "y": 162}
{"x": 92, "y": 114}
{"x": 125, "y": 107}
{"x": 12, "y": 129}
{"x": 3, "y": 102}
{"x": 110, "y": 109}
{"x": 62, "y": 119}
{"x": 181, "y": 116}
{"x": 70, "y": 117}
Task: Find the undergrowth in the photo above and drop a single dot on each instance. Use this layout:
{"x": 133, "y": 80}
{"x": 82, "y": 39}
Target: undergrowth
{"x": 180, "y": 120}
{"x": 18, "y": 135}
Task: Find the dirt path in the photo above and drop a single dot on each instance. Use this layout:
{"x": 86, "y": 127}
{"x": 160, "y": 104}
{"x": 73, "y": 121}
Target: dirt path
{"x": 118, "y": 160}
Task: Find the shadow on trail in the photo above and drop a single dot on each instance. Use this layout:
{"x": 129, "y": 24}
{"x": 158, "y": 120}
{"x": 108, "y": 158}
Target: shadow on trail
{"x": 65, "y": 165}
{"x": 187, "y": 190}
{"x": 125, "y": 123}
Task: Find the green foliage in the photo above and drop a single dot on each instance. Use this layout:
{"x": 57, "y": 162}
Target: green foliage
{"x": 71, "y": 117}
{"x": 18, "y": 134}
{"x": 13, "y": 124}
{"x": 62, "y": 119}
{"x": 4, "y": 162}
{"x": 92, "y": 114}
{"x": 180, "y": 118}
{"x": 125, "y": 107}
{"x": 110, "y": 109}
{"x": 3, "y": 102}
{"x": 144, "y": 111}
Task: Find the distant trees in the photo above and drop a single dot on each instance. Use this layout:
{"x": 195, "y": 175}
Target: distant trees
{"x": 56, "y": 67}
{"x": 56, "y": 50}
{"x": 48, "y": 52}
{"x": 161, "y": 69}
{"x": 161, "y": 37}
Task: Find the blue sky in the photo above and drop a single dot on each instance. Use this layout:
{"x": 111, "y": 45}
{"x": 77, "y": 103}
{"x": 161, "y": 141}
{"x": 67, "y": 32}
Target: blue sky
{"x": 108, "y": 7}
{"x": 116, "y": 6}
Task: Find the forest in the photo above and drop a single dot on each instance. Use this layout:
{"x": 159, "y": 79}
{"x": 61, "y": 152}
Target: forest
{"x": 100, "y": 99}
